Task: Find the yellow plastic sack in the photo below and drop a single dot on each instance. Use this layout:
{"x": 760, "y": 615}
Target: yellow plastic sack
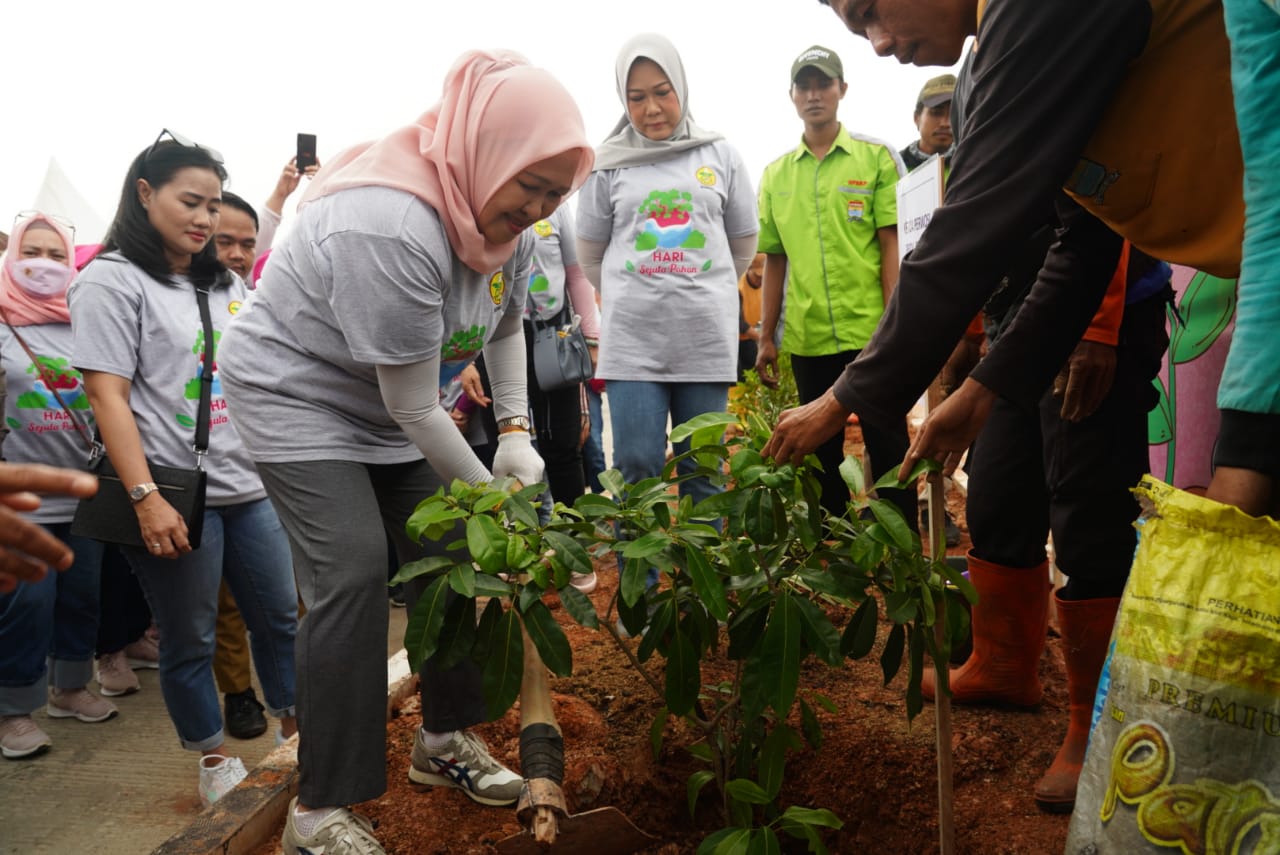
{"x": 1185, "y": 756}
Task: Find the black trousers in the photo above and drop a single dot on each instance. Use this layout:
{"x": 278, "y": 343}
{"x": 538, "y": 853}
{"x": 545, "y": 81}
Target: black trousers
{"x": 125, "y": 615}
{"x": 1031, "y": 472}
{"x": 886, "y": 448}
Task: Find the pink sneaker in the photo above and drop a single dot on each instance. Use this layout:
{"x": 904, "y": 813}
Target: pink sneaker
{"x": 20, "y": 736}
{"x": 143, "y": 653}
{"x": 80, "y": 704}
{"x": 115, "y": 676}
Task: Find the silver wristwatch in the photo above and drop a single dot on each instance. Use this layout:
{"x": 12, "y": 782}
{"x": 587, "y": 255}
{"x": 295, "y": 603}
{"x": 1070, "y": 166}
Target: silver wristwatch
{"x": 140, "y": 492}
{"x": 517, "y": 422}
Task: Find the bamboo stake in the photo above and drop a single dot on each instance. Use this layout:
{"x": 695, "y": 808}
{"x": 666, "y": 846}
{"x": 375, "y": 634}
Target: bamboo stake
{"x": 942, "y": 696}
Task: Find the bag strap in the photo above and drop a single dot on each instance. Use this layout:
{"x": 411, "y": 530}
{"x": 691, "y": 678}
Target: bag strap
{"x": 47, "y": 377}
{"x": 203, "y": 415}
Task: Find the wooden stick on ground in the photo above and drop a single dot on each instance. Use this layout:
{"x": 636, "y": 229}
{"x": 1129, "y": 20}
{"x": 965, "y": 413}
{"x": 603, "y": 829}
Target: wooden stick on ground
{"x": 542, "y": 801}
{"x": 942, "y": 699}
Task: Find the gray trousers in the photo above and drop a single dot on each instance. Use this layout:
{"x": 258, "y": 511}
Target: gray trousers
{"x": 337, "y": 513}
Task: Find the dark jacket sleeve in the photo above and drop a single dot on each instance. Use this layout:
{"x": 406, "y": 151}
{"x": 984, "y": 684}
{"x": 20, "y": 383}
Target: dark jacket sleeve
{"x": 1043, "y": 75}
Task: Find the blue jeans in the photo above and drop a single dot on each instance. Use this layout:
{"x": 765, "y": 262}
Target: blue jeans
{"x": 638, "y": 413}
{"x": 593, "y": 462}
{"x": 246, "y": 544}
{"x": 54, "y": 619}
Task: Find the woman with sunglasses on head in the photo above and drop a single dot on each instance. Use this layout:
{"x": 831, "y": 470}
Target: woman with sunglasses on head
{"x": 47, "y": 627}
{"x": 140, "y": 342}
{"x": 409, "y": 256}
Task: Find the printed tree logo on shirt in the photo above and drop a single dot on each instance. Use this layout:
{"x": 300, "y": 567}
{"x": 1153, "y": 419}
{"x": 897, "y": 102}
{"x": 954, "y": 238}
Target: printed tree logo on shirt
{"x": 668, "y": 230}
{"x": 65, "y": 379}
{"x": 191, "y": 391}
{"x": 463, "y": 344}
{"x": 538, "y": 284}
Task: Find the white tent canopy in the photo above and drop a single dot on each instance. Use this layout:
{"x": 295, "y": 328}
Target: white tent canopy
{"x": 57, "y": 195}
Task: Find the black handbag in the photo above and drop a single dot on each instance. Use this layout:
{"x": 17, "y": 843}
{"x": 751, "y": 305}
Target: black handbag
{"x": 561, "y": 357}
{"x": 108, "y": 515}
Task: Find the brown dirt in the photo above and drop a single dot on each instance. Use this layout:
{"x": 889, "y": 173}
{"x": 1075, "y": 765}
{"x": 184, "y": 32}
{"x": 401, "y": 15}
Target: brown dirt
{"x": 876, "y": 772}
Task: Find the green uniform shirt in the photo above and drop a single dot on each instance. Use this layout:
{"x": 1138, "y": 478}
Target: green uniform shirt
{"x": 823, "y": 215}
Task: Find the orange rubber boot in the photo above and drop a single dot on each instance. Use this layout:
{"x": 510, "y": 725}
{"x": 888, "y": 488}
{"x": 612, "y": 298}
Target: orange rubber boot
{"x": 1010, "y": 620}
{"x": 1086, "y": 635}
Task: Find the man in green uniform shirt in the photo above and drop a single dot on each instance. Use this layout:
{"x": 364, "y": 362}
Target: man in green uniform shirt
{"x": 828, "y": 227}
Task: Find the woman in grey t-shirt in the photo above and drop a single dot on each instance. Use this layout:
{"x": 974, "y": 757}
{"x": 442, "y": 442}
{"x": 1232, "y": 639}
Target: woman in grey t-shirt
{"x": 409, "y": 256}
{"x": 140, "y": 342}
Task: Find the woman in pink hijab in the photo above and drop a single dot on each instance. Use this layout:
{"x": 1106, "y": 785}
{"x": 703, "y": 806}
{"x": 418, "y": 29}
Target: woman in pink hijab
{"x": 409, "y": 258}
{"x": 53, "y": 620}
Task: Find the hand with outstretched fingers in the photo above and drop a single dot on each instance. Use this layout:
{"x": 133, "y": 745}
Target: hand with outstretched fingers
{"x": 27, "y": 550}
{"x": 950, "y": 429}
{"x": 801, "y": 430}
{"x": 1085, "y": 379}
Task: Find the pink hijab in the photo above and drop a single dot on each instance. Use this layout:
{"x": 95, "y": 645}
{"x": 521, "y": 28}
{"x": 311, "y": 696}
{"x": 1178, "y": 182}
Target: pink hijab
{"x": 20, "y": 308}
{"x": 498, "y": 115}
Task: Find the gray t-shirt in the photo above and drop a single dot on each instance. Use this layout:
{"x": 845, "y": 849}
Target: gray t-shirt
{"x": 552, "y": 251}
{"x": 366, "y": 277}
{"x": 668, "y": 288}
{"x": 128, "y": 324}
{"x": 40, "y": 430}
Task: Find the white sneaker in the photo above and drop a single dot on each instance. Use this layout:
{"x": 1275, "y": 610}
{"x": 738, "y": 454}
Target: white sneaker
{"x": 342, "y": 832}
{"x": 219, "y": 776}
{"x": 465, "y": 763}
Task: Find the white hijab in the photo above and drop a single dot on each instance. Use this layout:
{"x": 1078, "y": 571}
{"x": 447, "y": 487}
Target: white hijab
{"x": 626, "y": 146}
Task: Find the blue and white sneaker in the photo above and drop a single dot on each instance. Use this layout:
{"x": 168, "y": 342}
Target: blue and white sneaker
{"x": 465, "y": 763}
{"x": 342, "y": 832}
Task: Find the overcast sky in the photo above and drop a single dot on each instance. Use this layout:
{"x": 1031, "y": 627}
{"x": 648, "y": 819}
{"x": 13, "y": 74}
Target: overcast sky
{"x": 92, "y": 83}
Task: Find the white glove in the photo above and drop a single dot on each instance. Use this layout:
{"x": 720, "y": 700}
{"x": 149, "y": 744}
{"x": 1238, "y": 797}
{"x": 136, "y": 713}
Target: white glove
{"x": 515, "y": 457}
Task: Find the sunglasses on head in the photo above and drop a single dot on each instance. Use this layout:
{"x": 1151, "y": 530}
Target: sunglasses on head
{"x": 183, "y": 141}
{"x": 23, "y": 216}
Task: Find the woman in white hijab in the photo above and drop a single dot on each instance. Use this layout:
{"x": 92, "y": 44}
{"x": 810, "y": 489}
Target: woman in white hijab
{"x": 666, "y": 225}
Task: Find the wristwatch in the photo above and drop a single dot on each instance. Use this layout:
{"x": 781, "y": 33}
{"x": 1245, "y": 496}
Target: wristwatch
{"x": 514, "y": 423}
{"x": 140, "y": 492}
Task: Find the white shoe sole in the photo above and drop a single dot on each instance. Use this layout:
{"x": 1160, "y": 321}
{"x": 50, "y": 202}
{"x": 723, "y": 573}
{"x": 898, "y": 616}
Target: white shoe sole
{"x": 59, "y": 712}
{"x": 431, "y": 779}
{"x": 144, "y": 665}
{"x": 116, "y": 693}
{"x": 12, "y": 754}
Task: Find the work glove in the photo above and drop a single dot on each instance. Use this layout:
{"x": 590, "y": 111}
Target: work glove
{"x": 516, "y": 458}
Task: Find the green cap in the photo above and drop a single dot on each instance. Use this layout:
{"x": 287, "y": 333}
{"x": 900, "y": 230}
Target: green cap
{"x": 937, "y": 91}
{"x": 823, "y": 59}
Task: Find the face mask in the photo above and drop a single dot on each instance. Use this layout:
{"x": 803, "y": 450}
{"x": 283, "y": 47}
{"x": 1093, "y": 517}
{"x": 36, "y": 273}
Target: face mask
{"x": 42, "y": 278}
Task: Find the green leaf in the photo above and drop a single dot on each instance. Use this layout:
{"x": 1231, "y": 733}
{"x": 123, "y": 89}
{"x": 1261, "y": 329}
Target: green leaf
{"x": 634, "y": 615}
{"x": 635, "y": 579}
{"x": 549, "y": 638}
{"x": 773, "y": 758}
{"x": 646, "y": 545}
{"x": 768, "y": 840}
{"x": 810, "y": 726}
{"x": 915, "y": 701}
{"x": 432, "y": 520}
{"x": 854, "y": 475}
{"x": 890, "y": 478}
{"x": 683, "y": 675}
{"x": 745, "y": 630}
{"x": 684, "y": 430}
{"x": 579, "y": 606}
{"x": 488, "y": 502}
{"x": 812, "y": 816}
{"x": 662, "y": 515}
{"x": 568, "y": 551}
{"x": 707, "y": 584}
{"x": 901, "y": 606}
{"x": 612, "y": 480}
{"x": 486, "y": 628}
{"x": 487, "y": 542}
{"x": 780, "y": 654}
{"x": 1160, "y": 419}
{"x": 758, "y": 519}
{"x": 821, "y": 636}
{"x": 491, "y": 586}
{"x": 423, "y": 631}
{"x": 503, "y": 667}
{"x": 662, "y": 616}
{"x": 422, "y": 567}
{"x": 891, "y": 656}
{"x": 458, "y": 634}
{"x": 888, "y": 515}
{"x": 1207, "y": 306}
{"x": 697, "y": 781}
{"x": 656, "y": 728}
{"x": 727, "y": 841}
{"x": 462, "y": 578}
{"x": 748, "y": 791}
{"x": 860, "y": 635}
{"x": 700, "y": 750}
{"x": 959, "y": 580}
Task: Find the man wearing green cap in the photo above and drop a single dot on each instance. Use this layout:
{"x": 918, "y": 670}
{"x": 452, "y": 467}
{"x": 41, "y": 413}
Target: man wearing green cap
{"x": 933, "y": 121}
{"x": 828, "y": 227}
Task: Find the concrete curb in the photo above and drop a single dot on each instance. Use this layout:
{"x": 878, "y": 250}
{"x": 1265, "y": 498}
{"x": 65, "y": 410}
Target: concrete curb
{"x": 241, "y": 821}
